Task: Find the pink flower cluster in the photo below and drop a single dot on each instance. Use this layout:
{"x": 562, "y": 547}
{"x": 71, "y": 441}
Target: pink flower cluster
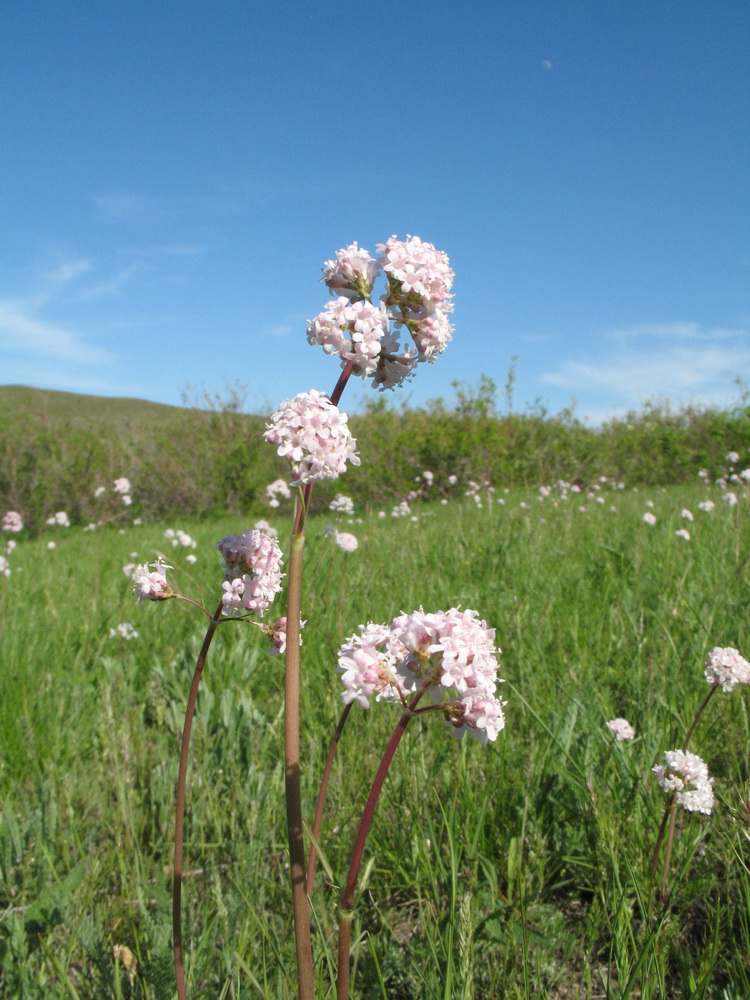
{"x": 314, "y": 435}
{"x": 726, "y": 667}
{"x": 416, "y": 303}
{"x": 621, "y": 729}
{"x": 687, "y": 775}
{"x": 12, "y": 521}
{"x": 152, "y": 585}
{"x": 446, "y": 653}
{"x": 252, "y": 565}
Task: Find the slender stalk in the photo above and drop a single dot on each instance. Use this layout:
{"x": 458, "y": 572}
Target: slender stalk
{"x": 709, "y": 696}
{"x": 320, "y": 804}
{"x": 668, "y": 850}
{"x": 346, "y": 913}
{"x": 670, "y": 810}
{"x": 295, "y": 832}
{"x": 179, "y": 822}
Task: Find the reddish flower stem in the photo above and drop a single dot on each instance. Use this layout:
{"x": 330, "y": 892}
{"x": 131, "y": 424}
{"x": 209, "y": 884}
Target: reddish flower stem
{"x": 346, "y": 913}
{"x": 179, "y": 822}
{"x": 320, "y": 804}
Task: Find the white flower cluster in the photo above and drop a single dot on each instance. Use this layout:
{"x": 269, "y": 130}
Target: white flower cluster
{"x": 252, "y": 565}
{"x": 60, "y": 519}
{"x": 314, "y": 435}
{"x": 123, "y": 631}
{"x": 726, "y": 667}
{"x": 687, "y": 775}
{"x": 341, "y": 504}
{"x": 446, "y": 653}
{"x": 416, "y": 302}
{"x": 180, "y": 537}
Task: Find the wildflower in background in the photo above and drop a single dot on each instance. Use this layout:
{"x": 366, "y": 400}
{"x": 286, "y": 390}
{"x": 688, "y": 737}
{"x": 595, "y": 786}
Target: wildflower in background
{"x": 346, "y": 541}
{"x": 707, "y": 506}
{"x": 732, "y": 457}
{"x": 252, "y": 565}
{"x": 686, "y": 775}
{"x": 4, "y": 566}
{"x": 621, "y": 729}
{"x": 649, "y": 518}
{"x": 190, "y": 558}
{"x": 263, "y": 525}
{"x": 686, "y": 514}
{"x": 51, "y": 545}
{"x": 99, "y": 491}
{"x": 60, "y": 518}
{"x": 314, "y": 436}
{"x": 152, "y": 586}
{"x": 428, "y": 477}
{"x": 123, "y": 631}
{"x": 452, "y": 480}
{"x": 726, "y": 667}
{"x": 12, "y": 521}
{"x": 448, "y": 653}
{"x": 730, "y": 499}
{"x": 122, "y": 486}
{"x": 341, "y": 504}
{"x": 649, "y": 503}
{"x": 683, "y": 533}
{"x": 278, "y": 488}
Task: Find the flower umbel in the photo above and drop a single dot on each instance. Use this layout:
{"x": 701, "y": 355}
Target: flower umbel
{"x": 314, "y": 435}
{"x": 152, "y": 586}
{"x": 252, "y": 565}
{"x": 686, "y": 775}
{"x": 448, "y": 653}
{"x": 416, "y": 303}
{"x": 725, "y": 666}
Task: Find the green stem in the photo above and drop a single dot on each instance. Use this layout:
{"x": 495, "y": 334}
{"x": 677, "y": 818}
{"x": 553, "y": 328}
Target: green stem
{"x": 179, "y": 822}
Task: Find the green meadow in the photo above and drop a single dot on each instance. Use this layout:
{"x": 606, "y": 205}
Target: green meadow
{"x": 517, "y": 870}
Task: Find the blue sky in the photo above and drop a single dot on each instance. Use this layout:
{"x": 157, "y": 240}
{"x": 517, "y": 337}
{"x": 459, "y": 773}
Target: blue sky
{"x": 175, "y": 174}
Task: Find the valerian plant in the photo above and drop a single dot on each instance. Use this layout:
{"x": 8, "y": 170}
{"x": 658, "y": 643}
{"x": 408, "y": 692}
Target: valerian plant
{"x": 441, "y": 663}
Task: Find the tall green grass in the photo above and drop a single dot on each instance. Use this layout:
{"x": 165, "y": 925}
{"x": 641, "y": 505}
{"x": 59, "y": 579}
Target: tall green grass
{"x": 518, "y": 870}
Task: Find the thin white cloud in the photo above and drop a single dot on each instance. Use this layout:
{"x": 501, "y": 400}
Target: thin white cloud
{"x": 113, "y": 285}
{"x": 69, "y": 270}
{"x": 24, "y": 334}
{"x": 681, "y": 362}
{"x": 277, "y": 330}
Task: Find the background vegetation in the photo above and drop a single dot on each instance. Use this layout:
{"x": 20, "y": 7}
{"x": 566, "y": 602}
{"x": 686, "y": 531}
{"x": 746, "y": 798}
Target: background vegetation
{"x": 56, "y": 448}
